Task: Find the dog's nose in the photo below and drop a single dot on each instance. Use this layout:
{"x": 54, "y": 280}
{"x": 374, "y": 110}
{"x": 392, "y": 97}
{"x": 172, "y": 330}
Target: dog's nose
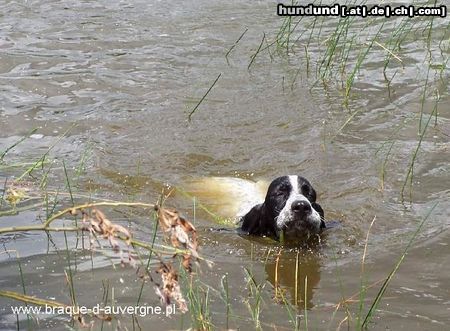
{"x": 301, "y": 207}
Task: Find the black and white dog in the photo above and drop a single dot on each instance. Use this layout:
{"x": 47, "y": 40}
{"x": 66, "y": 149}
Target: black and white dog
{"x": 290, "y": 206}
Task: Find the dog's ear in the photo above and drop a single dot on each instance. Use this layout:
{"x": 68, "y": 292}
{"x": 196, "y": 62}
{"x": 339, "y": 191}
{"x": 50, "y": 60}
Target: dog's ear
{"x": 251, "y": 222}
{"x": 318, "y": 208}
{"x": 314, "y": 196}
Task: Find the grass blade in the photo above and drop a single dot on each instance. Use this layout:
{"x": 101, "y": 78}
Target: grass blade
{"x": 383, "y": 288}
{"x": 2, "y": 156}
{"x": 203, "y": 98}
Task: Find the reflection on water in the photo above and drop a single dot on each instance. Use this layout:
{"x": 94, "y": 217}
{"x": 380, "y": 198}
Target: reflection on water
{"x": 297, "y": 276}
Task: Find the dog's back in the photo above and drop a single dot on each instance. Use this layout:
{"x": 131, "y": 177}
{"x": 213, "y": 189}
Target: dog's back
{"x": 228, "y": 197}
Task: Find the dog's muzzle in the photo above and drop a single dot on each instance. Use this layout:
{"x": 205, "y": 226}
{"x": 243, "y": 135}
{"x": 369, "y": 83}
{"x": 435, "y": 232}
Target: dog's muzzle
{"x": 299, "y": 215}
{"x": 301, "y": 209}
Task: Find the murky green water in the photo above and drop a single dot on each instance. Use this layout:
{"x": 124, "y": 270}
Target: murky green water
{"x": 122, "y": 78}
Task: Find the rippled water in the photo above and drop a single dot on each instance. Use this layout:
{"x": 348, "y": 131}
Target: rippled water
{"x": 110, "y": 85}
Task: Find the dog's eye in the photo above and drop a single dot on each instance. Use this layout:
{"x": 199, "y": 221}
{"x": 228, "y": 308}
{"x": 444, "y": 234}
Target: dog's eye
{"x": 283, "y": 190}
{"x": 305, "y": 189}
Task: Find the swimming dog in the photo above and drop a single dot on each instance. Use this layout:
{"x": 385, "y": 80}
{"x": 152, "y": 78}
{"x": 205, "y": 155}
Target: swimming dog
{"x": 289, "y": 206}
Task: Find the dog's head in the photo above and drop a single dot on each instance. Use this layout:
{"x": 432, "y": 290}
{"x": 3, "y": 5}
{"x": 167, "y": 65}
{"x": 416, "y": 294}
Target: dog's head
{"x": 290, "y": 206}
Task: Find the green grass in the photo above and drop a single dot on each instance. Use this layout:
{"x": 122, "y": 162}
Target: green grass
{"x": 150, "y": 256}
{"x": 254, "y": 298}
{"x": 410, "y": 171}
{"x": 22, "y": 139}
{"x": 337, "y": 53}
{"x": 201, "y": 297}
{"x": 225, "y": 295}
{"x": 191, "y": 113}
{"x": 382, "y": 291}
{"x": 336, "y": 57}
{"x": 198, "y": 297}
{"x": 24, "y": 291}
{"x": 234, "y": 45}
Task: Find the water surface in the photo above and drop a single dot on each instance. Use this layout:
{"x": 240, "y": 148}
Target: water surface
{"x": 110, "y": 85}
